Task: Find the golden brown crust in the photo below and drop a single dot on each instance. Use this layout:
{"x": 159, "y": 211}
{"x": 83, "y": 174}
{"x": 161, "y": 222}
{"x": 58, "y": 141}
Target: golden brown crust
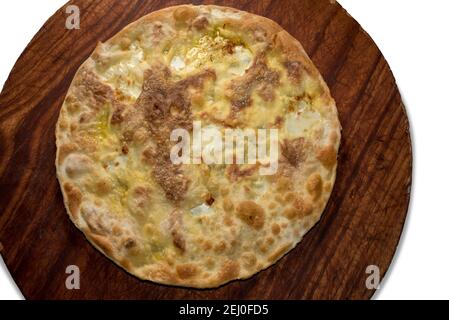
{"x": 197, "y": 226}
{"x": 74, "y": 197}
{"x": 103, "y": 243}
{"x": 279, "y": 252}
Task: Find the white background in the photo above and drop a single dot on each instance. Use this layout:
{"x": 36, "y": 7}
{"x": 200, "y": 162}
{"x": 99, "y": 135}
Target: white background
{"x": 414, "y": 37}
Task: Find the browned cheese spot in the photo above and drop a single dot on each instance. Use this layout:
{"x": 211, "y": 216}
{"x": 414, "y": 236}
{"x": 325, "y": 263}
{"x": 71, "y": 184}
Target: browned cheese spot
{"x": 275, "y": 229}
{"x": 129, "y": 243}
{"x": 327, "y": 156}
{"x": 284, "y": 184}
{"x": 249, "y": 260}
{"x": 207, "y": 245}
{"x": 201, "y": 23}
{"x": 176, "y": 225}
{"x": 86, "y": 117}
{"x": 251, "y": 213}
{"x": 315, "y": 186}
{"x": 186, "y": 271}
{"x": 300, "y": 209}
{"x": 141, "y": 196}
{"x": 117, "y": 114}
{"x": 295, "y": 70}
{"x": 88, "y": 85}
{"x": 220, "y": 247}
{"x": 234, "y": 172}
{"x": 103, "y": 186}
{"x": 303, "y": 207}
{"x": 290, "y": 213}
{"x": 228, "y": 206}
{"x": 209, "y": 263}
{"x": 162, "y": 106}
{"x": 289, "y": 197}
{"x": 293, "y": 151}
{"x": 72, "y": 104}
{"x": 168, "y": 176}
{"x": 258, "y": 75}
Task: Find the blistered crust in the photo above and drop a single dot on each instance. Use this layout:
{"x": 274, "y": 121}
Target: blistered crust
{"x": 133, "y": 204}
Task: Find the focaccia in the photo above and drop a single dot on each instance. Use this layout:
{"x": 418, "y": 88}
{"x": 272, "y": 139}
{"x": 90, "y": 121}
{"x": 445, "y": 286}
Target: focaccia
{"x": 195, "y": 224}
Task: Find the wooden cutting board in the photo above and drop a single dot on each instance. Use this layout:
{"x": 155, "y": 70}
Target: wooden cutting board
{"x": 361, "y": 226}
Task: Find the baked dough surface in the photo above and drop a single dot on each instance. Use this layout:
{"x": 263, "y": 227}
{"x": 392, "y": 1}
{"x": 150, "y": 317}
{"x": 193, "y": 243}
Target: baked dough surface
{"x": 195, "y": 225}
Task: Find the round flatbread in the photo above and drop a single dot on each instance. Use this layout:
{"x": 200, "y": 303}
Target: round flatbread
{"x": 197, "y": 223}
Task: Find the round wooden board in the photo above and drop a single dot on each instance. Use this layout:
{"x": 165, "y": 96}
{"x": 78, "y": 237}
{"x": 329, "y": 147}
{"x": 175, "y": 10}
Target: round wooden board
{"x": 362, "y": 223}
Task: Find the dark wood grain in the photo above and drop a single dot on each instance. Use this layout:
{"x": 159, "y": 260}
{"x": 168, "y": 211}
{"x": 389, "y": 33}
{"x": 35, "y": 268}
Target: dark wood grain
{"x": 361, "y": 225}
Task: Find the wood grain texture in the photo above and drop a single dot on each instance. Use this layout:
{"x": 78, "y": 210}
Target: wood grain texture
{"x": 361, "y": 225}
